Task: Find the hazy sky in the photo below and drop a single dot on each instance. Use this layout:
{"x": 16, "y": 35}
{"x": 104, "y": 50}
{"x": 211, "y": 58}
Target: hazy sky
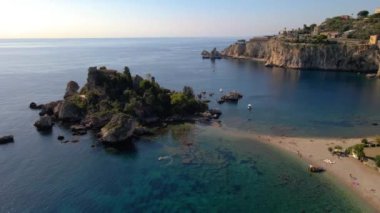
{"x": 165, "y": 18}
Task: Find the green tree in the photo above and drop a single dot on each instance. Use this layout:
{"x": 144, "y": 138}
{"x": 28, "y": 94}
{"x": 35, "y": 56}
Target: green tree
{"x": 363, "y": 14}
{"x": 377, "y": 160}
{"x": 377, "y": 139}
{"x": 358, "y": 149}
{"x": 365, "y": 141}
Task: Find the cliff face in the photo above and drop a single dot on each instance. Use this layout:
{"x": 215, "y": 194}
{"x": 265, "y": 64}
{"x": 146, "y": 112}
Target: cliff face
{"x": 342, "y": 57}
{"x": 256, "y": 50}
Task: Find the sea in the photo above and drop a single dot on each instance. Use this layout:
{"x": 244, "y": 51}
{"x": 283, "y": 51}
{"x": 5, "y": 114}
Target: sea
{"x": 201, "y": 169}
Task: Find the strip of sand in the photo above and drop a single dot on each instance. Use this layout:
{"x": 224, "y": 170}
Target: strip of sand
{"x": 363, "y": 180}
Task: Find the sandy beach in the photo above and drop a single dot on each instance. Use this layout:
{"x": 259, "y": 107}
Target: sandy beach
{"x": 363, "y": 180}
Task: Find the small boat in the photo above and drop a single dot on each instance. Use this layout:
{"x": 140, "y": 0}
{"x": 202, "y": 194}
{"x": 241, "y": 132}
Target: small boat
{"x": 163, "y": 158}
{"x": 316, "y": 169}
{"x": 249, "y": 106}
{"x": 220, "y": 90}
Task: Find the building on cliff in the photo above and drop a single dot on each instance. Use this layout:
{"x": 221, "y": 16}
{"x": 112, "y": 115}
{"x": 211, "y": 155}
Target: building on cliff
{"x": 241, "y": 41}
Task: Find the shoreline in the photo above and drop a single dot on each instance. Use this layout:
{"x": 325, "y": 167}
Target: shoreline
{"x": 357, "y": 177}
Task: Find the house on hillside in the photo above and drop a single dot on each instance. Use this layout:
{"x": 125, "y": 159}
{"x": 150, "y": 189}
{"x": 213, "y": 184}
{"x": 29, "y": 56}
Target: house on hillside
{"x": 331, "y": 34}
{"x": 374, "y": 39}
{"x": 345, "y": 17}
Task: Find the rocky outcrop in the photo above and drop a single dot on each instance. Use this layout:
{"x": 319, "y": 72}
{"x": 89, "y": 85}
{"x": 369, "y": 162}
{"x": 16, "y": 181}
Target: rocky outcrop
{"x": 232, "y": 97}
{"x": 120, "y": 128}
{"x": 6, "y": 139}
{"x": 333, "y": 56}
{"x": 71, "y": 89}
{"x": 214, "y": 54}
{"x": 69, "y": 111}
{"x": 45, "y": 123}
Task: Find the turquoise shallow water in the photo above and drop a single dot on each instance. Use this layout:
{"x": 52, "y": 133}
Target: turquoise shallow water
{"x": 217, "y": 173}
{"x": 205, "y": 171}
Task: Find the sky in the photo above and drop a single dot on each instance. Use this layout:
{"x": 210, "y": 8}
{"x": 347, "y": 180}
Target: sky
{"x": 165, "y": 18}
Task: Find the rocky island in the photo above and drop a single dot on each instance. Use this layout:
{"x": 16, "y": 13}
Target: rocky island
{"x": 341, "y": 43}
{"x": 119, "y": 106}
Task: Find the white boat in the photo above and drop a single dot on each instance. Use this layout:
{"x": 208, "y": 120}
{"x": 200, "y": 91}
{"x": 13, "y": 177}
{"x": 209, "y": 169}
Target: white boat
{"x": 249, "y": 106}
{"x": 220, "y": 90}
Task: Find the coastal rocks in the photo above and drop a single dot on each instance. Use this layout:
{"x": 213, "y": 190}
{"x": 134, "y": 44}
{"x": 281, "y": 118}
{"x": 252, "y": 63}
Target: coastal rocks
{"x": 61, "y": 137}
{"x": 45, "y": 123}
{"x": 119, "y": 129}
{"x": 232, "y": 97}
{"x": 212, "y": 114}
{"x": 96, "y": 122}
{"x": 71, "y": 89}
{"x": 371, "y": 76}
{"x": 6, "y": 139}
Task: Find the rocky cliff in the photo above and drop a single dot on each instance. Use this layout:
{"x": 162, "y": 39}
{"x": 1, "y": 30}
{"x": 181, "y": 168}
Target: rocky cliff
{"x": 336, "y": 56}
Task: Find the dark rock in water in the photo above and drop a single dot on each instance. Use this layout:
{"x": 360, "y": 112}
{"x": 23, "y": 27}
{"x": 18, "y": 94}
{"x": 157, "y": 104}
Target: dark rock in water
{"x": 34, "y": 106}
{"x": 71, "y": 89}
{"x": 375, "y": 124}
{"x": 6, "y": 139}
{"x": 66, "y": 141}
{"x": 231, "y": 97}
{"x": 75, "y": 141}
{"x": 78, "y": 129}
{"x": 61, "y": 137}
{"x": 45, "y": 123}
{"x": 119, "y": 129}
{"x": 206, "y": 54}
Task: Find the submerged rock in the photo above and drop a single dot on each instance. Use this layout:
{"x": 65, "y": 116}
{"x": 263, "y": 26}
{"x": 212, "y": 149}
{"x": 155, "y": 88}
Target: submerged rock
{"x": 119, "y": 129}
{"x": 6, "y": 139}
{"x": 45, "y": 123}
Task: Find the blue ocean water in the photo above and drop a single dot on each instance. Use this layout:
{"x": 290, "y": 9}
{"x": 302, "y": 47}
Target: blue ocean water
{"x": 39, "y": 174}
